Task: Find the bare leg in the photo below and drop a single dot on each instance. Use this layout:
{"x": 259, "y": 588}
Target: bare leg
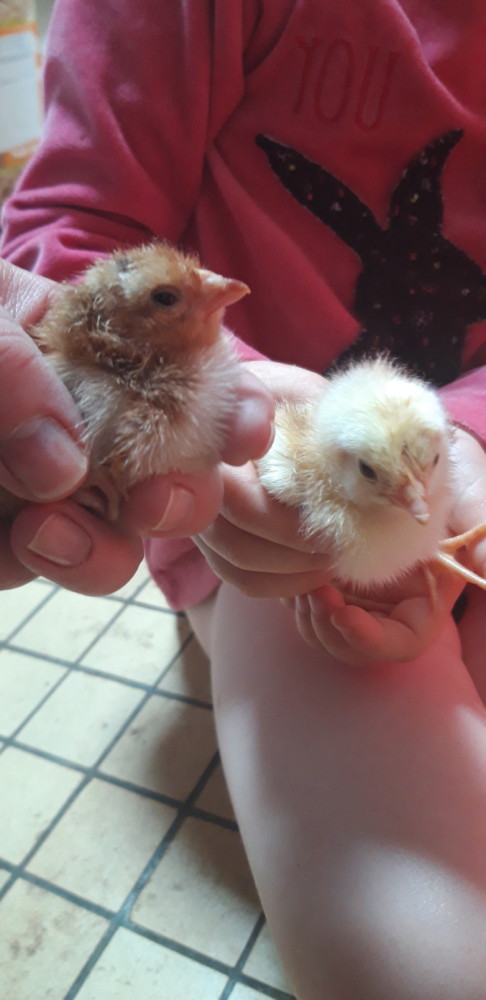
{"x": 361, "y": 797}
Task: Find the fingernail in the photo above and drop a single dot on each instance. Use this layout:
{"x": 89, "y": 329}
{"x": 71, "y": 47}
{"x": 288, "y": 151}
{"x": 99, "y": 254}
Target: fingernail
{"x": 179, "y": 510}
{"x": 302, "y": 604}
{"x": 62, "y": 541}
{"x": 271, "y": 436}
{"x": 315, "y": 604}
{"x": 43, "y": 458}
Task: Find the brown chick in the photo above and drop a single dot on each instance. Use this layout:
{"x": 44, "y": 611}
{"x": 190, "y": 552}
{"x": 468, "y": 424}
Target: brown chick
{"x": 369, "y": 466}
{"x": 141, "y": 346}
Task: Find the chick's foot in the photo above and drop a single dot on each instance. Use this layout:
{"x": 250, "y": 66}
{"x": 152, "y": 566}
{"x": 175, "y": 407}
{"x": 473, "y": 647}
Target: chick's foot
{"x": 445, "y": 558}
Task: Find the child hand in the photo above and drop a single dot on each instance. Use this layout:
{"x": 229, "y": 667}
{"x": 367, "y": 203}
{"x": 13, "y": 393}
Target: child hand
{"x": 358, "y": 637}
{"x": 255, "y": 543}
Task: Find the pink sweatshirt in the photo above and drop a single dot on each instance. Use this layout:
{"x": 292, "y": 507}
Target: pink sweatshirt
{"x": 332, "y": 155}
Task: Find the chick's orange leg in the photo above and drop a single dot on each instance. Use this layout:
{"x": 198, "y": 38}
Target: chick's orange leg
{"x": 445, "y": 559}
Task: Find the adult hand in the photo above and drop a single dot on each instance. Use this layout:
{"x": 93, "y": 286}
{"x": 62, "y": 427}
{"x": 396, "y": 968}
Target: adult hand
{"x": 42, "y": 462}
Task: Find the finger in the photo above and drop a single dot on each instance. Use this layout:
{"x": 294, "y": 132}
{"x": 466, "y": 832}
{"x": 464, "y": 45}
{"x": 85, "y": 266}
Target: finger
{"x": 255, "y": 584}
{"x": 40, "y": 454}
{"x": 303, "y": 620}
{"x": 401, "y": 637}
{"x": 249, "y": 551}
{"x": 251, "y": 430}
{"x": 12, "y": 572}
{"x": 25, "y": 296}
{"x": 247, "y": 505}
{"x": 174, "y": 507}
{"x": 329, "y": 636}
{"x": 75, "y": 549}
{"x": 469, "y": 508}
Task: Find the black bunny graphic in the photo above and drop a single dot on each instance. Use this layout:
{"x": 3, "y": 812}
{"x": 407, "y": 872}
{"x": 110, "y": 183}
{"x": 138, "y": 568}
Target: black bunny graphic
{"x": 417, "y": 292}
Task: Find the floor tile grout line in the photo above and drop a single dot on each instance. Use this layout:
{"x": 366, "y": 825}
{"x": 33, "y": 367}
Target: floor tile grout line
{"x": 83, "y": 783}
{"x": 38, "y": 654}
{"x": 124, "y": 783}
{"x": 184, "y": 811}
{"x": 211, "y": 817}
{"x": 247, "y": 949}
{"x": 170, "y": 943}
{"x": 21, "y": 868}
{"x": 182, "y": 648}
{"x": 180, "y": 948}
{"x": 148, "y": 690}
{"x": 269, "y": 991}
{"x": 67, "y": 895}
{"x": 163, "y": 798}
{"x": 99, "y": 635}
{"x": 76, "y": 792}
{"x": 25, "y": 621}
{"x": 37, "y": 707}
{"x": 122, "y": 918}
{"x": 118, "y": 919}
{"x": 169, "y": 836}
{"x": 132, "y": 599}
{"x": 61, "y": 680}
{"x": 71, "y": 666}
{"x": 156, "y": 607}
{"x": 206, "y": 960}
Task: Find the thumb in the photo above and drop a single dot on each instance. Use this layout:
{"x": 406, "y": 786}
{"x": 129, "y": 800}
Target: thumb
{"x": 40, "y": 454}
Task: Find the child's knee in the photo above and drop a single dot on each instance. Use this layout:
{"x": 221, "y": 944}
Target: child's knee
{"x": 407, "y": 928}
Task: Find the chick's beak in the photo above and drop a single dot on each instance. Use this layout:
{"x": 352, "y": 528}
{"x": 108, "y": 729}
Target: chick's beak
{"x": 412, "y": 496}
{"x": 218, "y": 292}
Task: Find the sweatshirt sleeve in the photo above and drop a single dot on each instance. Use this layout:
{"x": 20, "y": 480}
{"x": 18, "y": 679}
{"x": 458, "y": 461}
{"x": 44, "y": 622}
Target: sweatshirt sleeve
{"x": 133, "y": 97}
{"x": 465, "y": 402}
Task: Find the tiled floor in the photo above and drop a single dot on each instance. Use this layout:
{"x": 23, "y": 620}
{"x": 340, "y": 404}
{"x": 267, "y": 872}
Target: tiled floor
{"x": 121, "y": 869}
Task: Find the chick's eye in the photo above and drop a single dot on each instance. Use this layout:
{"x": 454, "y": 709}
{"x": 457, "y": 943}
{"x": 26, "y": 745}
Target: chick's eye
{"x": 436, "y": 459}
{"x": 165, "y": 297}
{"x": 367, "y": 471}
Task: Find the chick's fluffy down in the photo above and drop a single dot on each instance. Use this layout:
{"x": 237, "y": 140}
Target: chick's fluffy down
{"x": 347, "y": 459}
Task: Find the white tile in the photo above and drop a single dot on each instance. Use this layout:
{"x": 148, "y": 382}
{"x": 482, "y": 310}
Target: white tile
{"x": 245, "y": 993}
{"x": 214, "y": 797}
{"x": 151, "y": 594}
{"x": 81, "y": 717}
{"x": 132, "y": 966}
{"x": 264, "y": 963}
{"x": 139, "y": 644}
{"x": 141, "y": 575}
{"x": 209, "y": 900}
{"x": 24, "y": 681}
{"x": 32, "y": 791}
{"x": 16, "y": 604}
{"x": 166, "y": 748}
{"x": 190, "y": 674}
{"x": 44, "y": 943}
{"x": 103, "y": 842}
{"x": 66, "y": 625}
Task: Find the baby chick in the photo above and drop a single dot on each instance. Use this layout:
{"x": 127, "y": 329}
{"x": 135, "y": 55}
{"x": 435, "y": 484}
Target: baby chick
{"x": 140, "y": 344}
{"x": 369, "y": 466}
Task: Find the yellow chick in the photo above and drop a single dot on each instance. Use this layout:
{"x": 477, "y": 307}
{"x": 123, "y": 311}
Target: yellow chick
{"x": 369, "y": 466}
{"x": 140, "y": 344}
